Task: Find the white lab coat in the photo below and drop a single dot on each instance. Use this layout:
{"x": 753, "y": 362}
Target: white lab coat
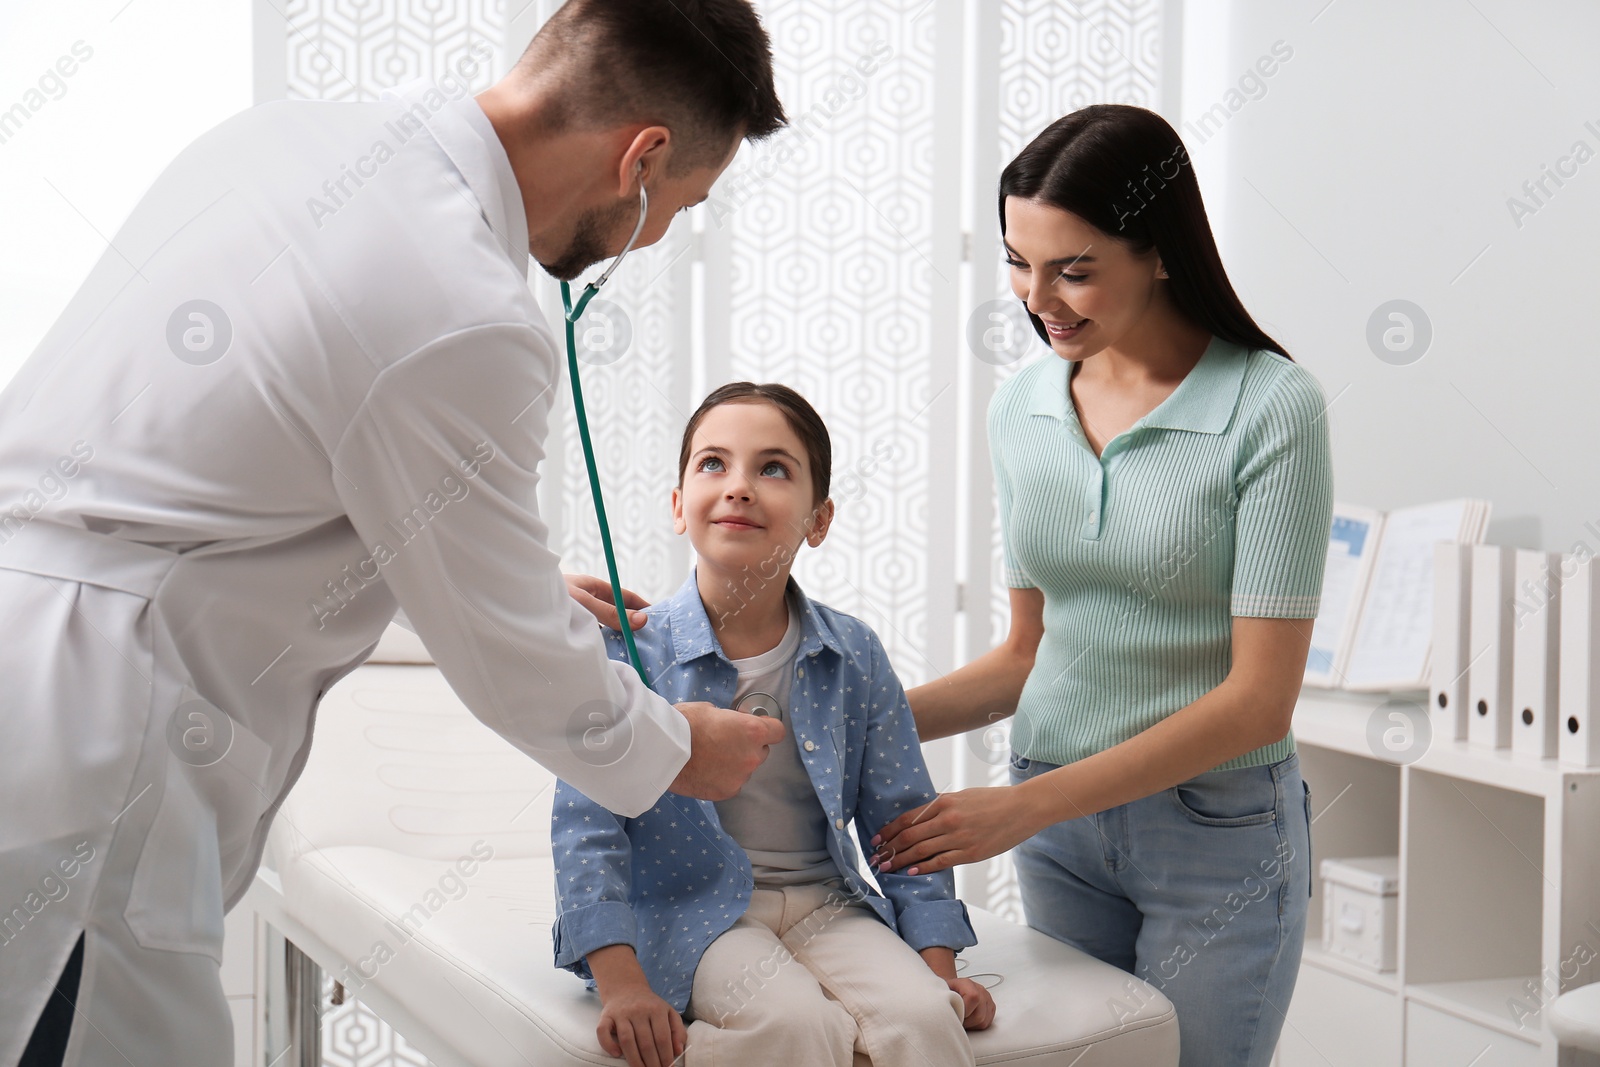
{"x": 198, "y": 538}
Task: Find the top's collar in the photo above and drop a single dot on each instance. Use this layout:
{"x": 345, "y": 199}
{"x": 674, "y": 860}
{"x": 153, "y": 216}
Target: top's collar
{"x": 1203, "y": 402}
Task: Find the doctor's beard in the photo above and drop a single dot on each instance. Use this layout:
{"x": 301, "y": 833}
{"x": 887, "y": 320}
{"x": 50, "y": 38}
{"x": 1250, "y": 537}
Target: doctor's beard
{"x": 589, "y": 240}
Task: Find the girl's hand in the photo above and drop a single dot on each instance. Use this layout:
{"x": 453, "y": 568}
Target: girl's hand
{"x": 594, "y": 594}
{"x": 978, "y": 1005}
{"x": 963, "y": 827}
{"x": 639, "y": 1026}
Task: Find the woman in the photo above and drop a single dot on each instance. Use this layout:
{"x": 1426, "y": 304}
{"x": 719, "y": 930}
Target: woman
{"x": 1165, "y": 494}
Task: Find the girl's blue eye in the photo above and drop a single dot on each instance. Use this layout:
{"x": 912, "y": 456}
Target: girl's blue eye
{"x": 775, "y": 465}
{"x": 704, "y": 463}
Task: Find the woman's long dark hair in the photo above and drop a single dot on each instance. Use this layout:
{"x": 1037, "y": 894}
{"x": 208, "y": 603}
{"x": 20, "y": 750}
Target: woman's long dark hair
{"x": 1125, "y": 171}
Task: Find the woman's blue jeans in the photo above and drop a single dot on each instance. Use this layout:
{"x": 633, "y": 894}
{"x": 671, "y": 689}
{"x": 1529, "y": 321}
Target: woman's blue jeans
{"x": 1201, "y": 890}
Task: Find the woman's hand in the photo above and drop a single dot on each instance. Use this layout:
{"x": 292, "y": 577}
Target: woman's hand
{"x": 963, "y": 827}
{"x": 595, "y": 596}
{"x": 639, "y": 1026}
{"x": 977, "y": 1004}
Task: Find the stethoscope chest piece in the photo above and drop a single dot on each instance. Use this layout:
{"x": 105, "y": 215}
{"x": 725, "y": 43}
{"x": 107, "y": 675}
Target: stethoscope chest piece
{"x": 762, "y": 704}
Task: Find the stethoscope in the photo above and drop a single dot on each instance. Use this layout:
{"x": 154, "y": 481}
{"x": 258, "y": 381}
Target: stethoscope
{"x": 761, "y": 704}
{"x": 572, "y": 314}
{"x": 764, "y": 705}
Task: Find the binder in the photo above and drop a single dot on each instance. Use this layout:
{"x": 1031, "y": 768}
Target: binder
{"x": 1347, "y": 571}
{"x": 1390, "y": 629}
{"x": 1535, "y": 658}
{"x": 1489, "y": 679}
{"x": 1580, "y": 662}
{"x": 1452, "y": 574}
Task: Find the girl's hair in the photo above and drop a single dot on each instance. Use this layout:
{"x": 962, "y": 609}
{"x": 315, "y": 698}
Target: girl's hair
{"x": 1125, "y": 171}
{"x": 801, "y": 416}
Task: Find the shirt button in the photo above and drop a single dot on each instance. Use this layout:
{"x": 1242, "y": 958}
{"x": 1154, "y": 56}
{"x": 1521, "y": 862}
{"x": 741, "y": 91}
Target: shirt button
{"x": 800, "y": 672}
{"x": 811, "y": 746}
{"x": 838, "y": 824}
{"x": 1093, "y": 515}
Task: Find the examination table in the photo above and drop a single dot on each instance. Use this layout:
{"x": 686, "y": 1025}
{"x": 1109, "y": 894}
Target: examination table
{"x": 412, "y": 862}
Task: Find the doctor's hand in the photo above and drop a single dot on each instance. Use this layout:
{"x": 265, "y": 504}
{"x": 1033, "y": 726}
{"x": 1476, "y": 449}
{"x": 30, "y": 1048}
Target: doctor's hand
{"x": 594, "y": 594}
{"x": 725, "y": 748}
{"x": 963, "y": 827}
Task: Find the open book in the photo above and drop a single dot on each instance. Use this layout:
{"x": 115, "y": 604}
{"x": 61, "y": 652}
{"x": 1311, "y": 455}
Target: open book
{"x": 1375, "y": 627}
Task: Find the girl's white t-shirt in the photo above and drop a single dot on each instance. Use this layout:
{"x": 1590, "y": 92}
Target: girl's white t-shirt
{"x": 777, "y": 818}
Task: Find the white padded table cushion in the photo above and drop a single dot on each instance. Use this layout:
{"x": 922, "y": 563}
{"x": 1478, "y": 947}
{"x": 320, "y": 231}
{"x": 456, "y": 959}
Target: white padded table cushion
{"x": 403, "y": 783}
{"x": 397, "y": 762}
{"x": 484, "y": 956}
{"x": 400, "y": 645}
{"x": 1574, "y": 1018}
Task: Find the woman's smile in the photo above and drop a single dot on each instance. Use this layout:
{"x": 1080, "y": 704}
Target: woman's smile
{"x": 1061, "y": 331}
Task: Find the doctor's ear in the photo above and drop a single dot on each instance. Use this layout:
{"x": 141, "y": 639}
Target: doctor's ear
{"x": 645, "y": 156}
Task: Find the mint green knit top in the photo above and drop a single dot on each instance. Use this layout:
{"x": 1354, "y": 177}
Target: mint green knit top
{"x": 1216, "y": 504}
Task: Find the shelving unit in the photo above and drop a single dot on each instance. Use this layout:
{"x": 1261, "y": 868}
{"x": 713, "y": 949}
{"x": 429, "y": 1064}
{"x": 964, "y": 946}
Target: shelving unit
{"x": 1499, "y": 896}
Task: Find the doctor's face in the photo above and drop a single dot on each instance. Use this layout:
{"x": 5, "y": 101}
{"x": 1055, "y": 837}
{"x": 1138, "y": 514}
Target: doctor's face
{"x": 747, "y": 499}
{"x": 1090, "y": 289}
{"x": 602, "y": 232}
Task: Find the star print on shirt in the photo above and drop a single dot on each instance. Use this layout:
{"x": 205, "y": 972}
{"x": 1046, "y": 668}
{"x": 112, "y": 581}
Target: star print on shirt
{"x": 849, "y": 693}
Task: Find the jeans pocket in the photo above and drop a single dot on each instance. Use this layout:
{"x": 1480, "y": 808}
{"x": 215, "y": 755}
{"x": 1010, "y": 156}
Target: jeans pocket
{"x": 1246, "y": 796}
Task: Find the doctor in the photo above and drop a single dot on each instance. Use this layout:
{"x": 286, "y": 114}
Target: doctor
{"x": 307, "y": 385}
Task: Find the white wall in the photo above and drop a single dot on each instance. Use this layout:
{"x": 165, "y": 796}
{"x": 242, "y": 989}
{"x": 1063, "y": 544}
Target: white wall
{"x": 84, "y": 147}
{"x": 1376, "y": 165}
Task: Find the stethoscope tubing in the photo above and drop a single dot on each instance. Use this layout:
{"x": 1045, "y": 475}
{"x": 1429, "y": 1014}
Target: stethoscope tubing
{"x": 571, "y": 315}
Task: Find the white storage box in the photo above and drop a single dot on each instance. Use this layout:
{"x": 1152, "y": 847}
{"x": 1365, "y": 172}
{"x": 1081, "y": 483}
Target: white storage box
{"x": 1359, "y": 909}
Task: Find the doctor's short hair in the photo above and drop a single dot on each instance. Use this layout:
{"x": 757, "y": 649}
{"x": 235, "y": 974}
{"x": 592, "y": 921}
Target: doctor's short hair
{"x": 797, "y": 412}
{"x": 701, "y": 68}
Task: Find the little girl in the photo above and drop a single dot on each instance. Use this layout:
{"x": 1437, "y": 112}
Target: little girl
{"x": 750, "y": 914}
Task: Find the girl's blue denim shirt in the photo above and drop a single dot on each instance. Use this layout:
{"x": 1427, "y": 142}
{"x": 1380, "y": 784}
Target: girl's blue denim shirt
{"x": 670, "y": 881}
